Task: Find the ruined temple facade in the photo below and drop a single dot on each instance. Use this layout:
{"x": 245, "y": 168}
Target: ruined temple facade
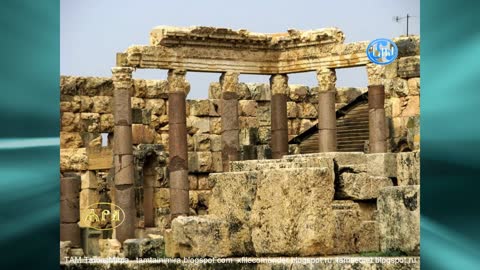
{"x": 254, "y": 170}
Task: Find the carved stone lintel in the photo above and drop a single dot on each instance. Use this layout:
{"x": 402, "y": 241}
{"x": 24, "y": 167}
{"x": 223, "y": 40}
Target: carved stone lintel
{"x": 279, "y": 84}
{"x": 177, "y": 81}
{"x": 229, "y": 81}
{"x": 376, "y": 74}
{"x": 326, "y": 79}
{"x": 122, "y": 77}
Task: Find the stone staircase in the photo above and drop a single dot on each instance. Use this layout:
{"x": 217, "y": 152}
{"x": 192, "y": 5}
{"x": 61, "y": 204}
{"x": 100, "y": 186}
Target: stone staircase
{"x": 306, "y": 205}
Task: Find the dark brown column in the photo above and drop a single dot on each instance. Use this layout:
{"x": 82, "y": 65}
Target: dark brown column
{"x": 70, "y": 210}
{"x": 376, "y": 109}
{"x": 178, "y": 151}
{"x": 229, "y": 114}
{"x": 327, "y": 120}
{"x": 123, "y": 152}
{"x": 376, "y": 119}
{"x": 279, "y": 86}
{"x": 148, "y": 198}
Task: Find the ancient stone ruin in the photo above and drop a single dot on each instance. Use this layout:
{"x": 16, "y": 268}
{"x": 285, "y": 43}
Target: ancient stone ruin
{"x": 256, "y": 170}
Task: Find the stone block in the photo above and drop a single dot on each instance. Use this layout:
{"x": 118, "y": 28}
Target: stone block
{"x": 192, "y": 182}
{"x": 109, "y": 248}
{"x": 200, "y": 161}
{"x": 347, "y": 227}
{"x": 291, "y": 109}
{"x": 70, "y": 122}
{"x": 161, "y": 198}
{"x": 89, "y": 180}
{"x": 248, "y": 122}
{"x": 201, "y": 142}
{"x": 248, "y": 136}
{"x": 200, "y": 107}
{"x": 137, "y": 103}
{"x": 215, "y": 125}
{"x": 90, "y": 122}
{"x": 200, "y": 236}
{"x": 382, "y": 164}
{"x": 144, "y": 248}
{"x": 232, "y": 199}
{"x": 102, "y": 104}
{"x": 86, "y": 104}
{"x": 293, "y": 225}
{"x": 399, "y": 219}
{"x": 106, "y": 123}
{"x": 156, "y": 89}
{"x": 215, "y": 143}
{"x": 73, "y": 159}
{"x": 264, "y": 114}
{"x": 298, "y": 92}
{"x": 412, "y": 107}
{"x": 156, "y": 106}
{"x": 368, "y": 237}
{"x": 260, "y": 91}
{"x": 196, "y": 125}
{"x": 203, "y": 183}
{"x": 368, "y": 209}
{"x": 264, "y": 152}
{"x": 360, "y": 186}
{"x": 348, "y": 94}
{"x": 307, "y": 110}
{"x": 65, "y": 247}
{"x": 409, "y": 67}
{"x": 142, "y": 134}
{"x": 408, "y": 168}
{"x": 396, "y": 87}
{"x": 306, "y": 124}
{"x": 70, "y": 140}
{"x": 214, "y": 91}
{"x": 243, "y": 92}
{"x": 413, "y": 86}
{"x": 264, "y": 135}
{"x": 247, "y": 107}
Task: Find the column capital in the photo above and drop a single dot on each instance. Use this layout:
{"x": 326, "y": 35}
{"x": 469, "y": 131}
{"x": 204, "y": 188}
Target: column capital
{"x": 376, "y": 74}
{"x": 279, "y": 84}
{"x": 177, "y": 81}
{"x": 326, "y": 79}
{"x": 122, "y": 77}
{"x": 229, "y": 81}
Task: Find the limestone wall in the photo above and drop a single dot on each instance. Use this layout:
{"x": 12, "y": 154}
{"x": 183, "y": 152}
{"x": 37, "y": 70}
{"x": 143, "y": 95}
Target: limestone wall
{"x": 86, "y": 112}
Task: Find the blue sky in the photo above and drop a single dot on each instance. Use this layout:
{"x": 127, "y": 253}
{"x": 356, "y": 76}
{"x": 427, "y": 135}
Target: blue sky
{"x": 93, "y": 31}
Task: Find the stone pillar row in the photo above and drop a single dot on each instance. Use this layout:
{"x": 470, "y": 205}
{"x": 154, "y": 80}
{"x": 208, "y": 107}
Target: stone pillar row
{"x": 70, "y": 210}
{"x": 376, "y": 109}
{"x": 178, "y": 87}
{"x": 279, "y": 122}
{"x": 123, "y": 151}
{"x": 327, "y": 120}
{"x": 229, "y": 118}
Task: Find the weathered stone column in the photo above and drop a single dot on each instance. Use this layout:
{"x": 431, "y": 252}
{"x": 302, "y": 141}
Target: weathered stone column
{"x": 327, "y": 120}
{"x": 229, "y": 114}
{"x": 178, "y": 151}
{"x": 123, "y": 151}
{"x": 376, "y": 110}
{"x": 70, "y": 210}
{"x": 279, "y": 86}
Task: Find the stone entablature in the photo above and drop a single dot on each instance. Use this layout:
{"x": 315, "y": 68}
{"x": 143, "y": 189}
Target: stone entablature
{"x": 209, "y": 49}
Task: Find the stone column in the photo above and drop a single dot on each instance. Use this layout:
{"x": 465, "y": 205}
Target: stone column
{"x": 377, "y": 127}
{"x": 178, "y": 87}
{"x": 123, "y": 151}
{"x": 70, "y": 210}
{"x": 327, "y": 120}
{"x": 229, "y": 114}
{"x": 279, "y": 86}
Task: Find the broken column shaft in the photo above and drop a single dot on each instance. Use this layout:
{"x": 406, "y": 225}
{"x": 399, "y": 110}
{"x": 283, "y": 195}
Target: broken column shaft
{"x": 123, "y": 152}
{"x": 229, "y": 115}
{"x": 178, "y": 87}
{"x": 327, "y": 120}
{"x": 279, "y": 87}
